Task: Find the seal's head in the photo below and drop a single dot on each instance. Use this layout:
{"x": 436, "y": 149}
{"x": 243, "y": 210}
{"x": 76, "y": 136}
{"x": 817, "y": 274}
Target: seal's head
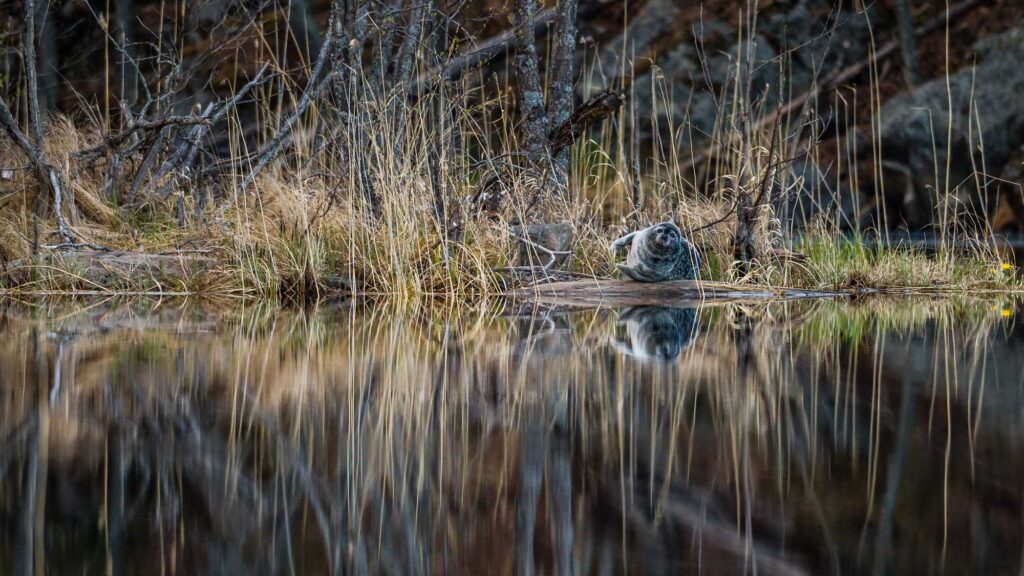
{"x": 666, "y": 238}
{"x": 658, "y": 253}
{"x": 656, "y": 333}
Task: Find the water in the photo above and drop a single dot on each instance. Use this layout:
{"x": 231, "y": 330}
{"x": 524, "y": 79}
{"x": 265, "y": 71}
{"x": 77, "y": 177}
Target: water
{"x": 814, "y": 437}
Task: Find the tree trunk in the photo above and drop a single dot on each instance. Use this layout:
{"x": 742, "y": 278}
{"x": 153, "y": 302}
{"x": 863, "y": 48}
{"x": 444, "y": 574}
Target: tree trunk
{"x": 304, "y": 28}
{"x": 746, "y": 208}
{"x": 407, "y": 53}
{"x": 531, "y": 93}
{"x": 743, "y": 240}
{"x": 28, "y": 42}
{"x": 560, "y": 106}
{"x": 49, "y": 73}
{"x": 124, "y": 35}
{"x": 385, "y": 35}
{"x": 908, "y": 43}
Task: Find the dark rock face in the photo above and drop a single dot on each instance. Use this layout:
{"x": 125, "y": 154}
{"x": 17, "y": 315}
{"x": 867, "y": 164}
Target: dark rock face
{"x": 987, "y": 127}
{"x": 1009, "y": 215}
{"x": 679, "y": 60}
{"x": 806, "y": 191}
{"x": 558, "y": 238}
{"x": 685, "y": 60}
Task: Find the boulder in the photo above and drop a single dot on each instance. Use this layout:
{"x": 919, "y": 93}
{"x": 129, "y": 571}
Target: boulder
{"x": 682, "y": 54}
{"x": 103, "y": 271}
{"x": 1009, "y": 216}
{"x": 558, "y": 238}
{"x": 807, "y": 192}
{"x": 987, "y": 116}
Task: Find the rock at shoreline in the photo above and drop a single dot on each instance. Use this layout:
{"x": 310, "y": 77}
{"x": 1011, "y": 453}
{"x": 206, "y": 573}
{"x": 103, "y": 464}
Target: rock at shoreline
{"x": 89, "y": 270}
{"x": 1009, "y": 215}
{"x": 558, "y": 238}
{"x": 915, "y": 124}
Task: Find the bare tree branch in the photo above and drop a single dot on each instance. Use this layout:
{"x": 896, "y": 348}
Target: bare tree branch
{"x": 34, "y": 150}
{"x": 315, "y": 87}
{"x": 47, "y": 173}
{"x": 480, "y": 53}
{"x": 114, "y": 140}
{"x": 600, "y": 106}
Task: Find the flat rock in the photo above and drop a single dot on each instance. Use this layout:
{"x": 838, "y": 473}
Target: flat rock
{"x": 592, "y": 293}
{"x": 556, "y": 237}
{"x": 103, "y": 271}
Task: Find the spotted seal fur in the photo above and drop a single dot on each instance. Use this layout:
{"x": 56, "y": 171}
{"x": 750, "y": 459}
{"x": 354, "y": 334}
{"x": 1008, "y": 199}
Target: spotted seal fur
{"x": 657, "y": 254}
{"x": 655, "y": 333}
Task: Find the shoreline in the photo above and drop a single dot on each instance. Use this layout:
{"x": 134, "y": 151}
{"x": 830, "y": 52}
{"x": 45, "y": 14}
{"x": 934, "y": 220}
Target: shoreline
{"x": 579, "y": 293}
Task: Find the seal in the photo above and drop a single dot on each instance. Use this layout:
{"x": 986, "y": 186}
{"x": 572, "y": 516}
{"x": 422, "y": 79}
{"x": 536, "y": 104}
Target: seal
{"x": 655, "y": 333}
{"x": 657, "y": 254}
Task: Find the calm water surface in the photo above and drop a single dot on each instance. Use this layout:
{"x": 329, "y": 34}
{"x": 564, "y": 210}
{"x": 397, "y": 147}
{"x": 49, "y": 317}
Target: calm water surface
{"x": 816, "y": 437}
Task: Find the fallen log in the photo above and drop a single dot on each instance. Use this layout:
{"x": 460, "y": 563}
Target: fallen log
{"x": 595, "y": 293}
{"x": 111, "y": 271}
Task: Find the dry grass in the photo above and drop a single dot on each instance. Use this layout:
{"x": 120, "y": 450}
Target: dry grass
{"x": 292, "y": 232}
{"x": 305, "y": 224}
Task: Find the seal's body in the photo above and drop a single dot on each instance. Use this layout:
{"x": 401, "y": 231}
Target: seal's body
{"x": 658, "y": 334}
{"x": 657, "y": 254}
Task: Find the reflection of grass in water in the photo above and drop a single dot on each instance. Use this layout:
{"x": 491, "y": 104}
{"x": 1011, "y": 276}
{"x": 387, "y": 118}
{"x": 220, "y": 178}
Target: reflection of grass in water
{"x": 375, "y": 420}
{"x": 836, "y": 320}
{"x": 879, "y": 332}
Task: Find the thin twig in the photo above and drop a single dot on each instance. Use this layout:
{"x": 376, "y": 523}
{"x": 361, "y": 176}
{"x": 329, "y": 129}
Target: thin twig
{"x": 553, "y": 254}
{"x": 114, "y": 140}
{"x": 318, "y": 81}
{"x": 732, "y": 210}
{"x": 480, "y": 53}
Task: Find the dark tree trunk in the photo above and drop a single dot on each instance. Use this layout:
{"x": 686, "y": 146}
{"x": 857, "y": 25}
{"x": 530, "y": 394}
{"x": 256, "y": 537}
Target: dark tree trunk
{"x": 124, "y": 35}
{"x": 28, "y": 42}
{"x": 304, "y": 28}
{"x": 49, "y": 74}
{"x": 531, "y": 93}
{"x": 49, "y": 177}
{"x": 385, "y": 33}
{"x": 359, "y": 26}
{"x": 744, "y": 247}
{"x": 407, "y": 54}
{"x": 743, "y": 240}
{"x": 908, "y": 43}
{"x": 560, "y": 106}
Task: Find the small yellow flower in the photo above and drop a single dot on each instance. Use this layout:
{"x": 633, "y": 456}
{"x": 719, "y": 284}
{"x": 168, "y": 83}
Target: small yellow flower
{"x": 1006, "y": 313}
{"x": 1007, "y": 266}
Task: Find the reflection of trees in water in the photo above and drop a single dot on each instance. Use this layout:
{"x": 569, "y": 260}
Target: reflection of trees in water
{"x": 429, "y": 443}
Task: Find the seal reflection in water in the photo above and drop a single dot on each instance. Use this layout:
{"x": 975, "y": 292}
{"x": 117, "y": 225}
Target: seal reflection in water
{"x": 657, "y": 254}
{"x": 656, "y": 333}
